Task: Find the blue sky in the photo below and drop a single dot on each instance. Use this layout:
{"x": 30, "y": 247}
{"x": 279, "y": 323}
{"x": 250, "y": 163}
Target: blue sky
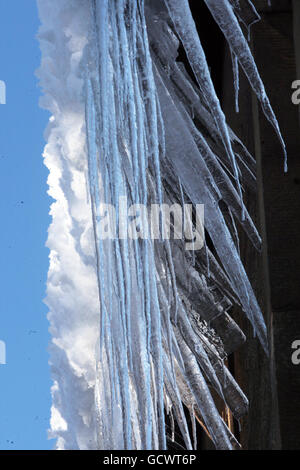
{"x": 24, "y": 204}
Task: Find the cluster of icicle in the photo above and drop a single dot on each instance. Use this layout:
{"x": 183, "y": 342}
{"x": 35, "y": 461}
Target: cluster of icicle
{"x": 141, "y": 329}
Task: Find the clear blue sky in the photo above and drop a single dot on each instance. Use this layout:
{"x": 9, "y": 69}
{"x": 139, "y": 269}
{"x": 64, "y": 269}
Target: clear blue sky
{"x": 25, "y": 379}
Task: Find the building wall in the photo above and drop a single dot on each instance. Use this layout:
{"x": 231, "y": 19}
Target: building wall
{"x": 272, "y": 385}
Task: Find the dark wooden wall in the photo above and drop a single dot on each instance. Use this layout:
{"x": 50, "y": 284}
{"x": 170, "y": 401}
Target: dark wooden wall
{"x": 273, "y": 384}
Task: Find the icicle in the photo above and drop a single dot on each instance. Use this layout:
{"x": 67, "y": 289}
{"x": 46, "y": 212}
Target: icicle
{"x": 224, "y": 16}
{"x": 153, "y": 328}
{"x": 194, "y": 428}
{"x": 186, "y": 29}
{"x": 246, "y": 12}
{"x": 235, "y": 68}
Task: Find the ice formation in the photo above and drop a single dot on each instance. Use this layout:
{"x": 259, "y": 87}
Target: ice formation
{"x": 141, "y": 328}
